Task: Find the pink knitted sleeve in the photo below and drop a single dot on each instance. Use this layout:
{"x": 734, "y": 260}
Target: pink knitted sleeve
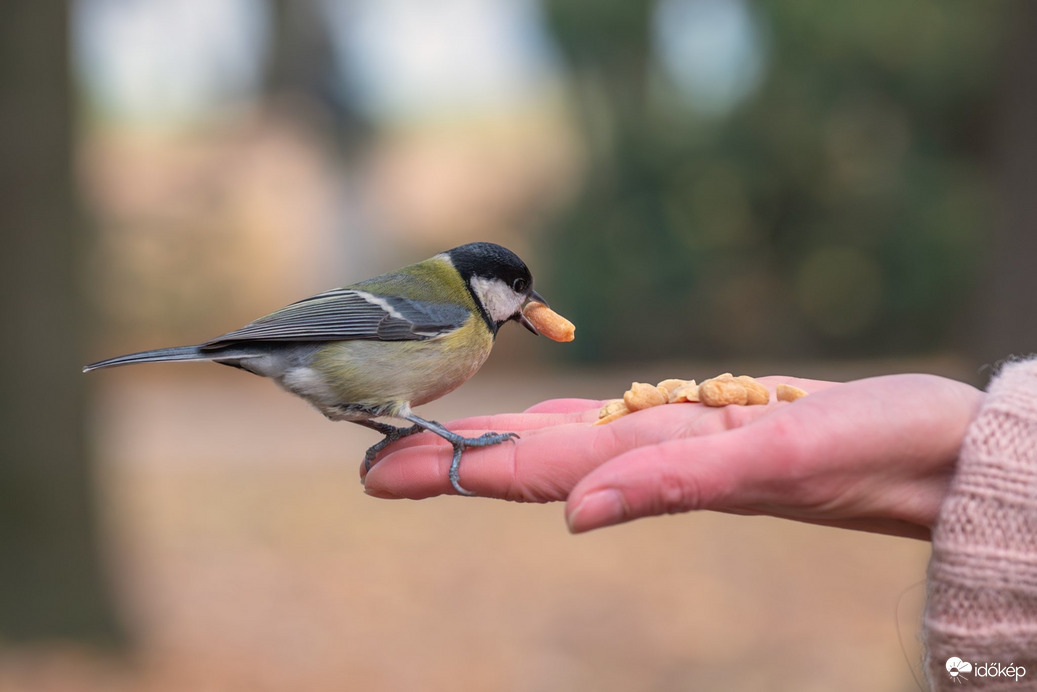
{"x": 982, "y": 587}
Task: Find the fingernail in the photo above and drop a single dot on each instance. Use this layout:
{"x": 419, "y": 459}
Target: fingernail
{"x": 597, "y": 510}
{"x": 380, "y": 494}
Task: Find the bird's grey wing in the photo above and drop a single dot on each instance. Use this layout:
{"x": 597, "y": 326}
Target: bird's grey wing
{"x": 346, "y": 313}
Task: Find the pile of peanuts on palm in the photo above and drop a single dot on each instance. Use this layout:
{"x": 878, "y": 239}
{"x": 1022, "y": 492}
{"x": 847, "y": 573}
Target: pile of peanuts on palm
{"x": 722, "y": 390}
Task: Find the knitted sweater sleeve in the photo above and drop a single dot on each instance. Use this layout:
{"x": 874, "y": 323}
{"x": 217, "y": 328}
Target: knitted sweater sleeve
{"x": 982, "y": 586}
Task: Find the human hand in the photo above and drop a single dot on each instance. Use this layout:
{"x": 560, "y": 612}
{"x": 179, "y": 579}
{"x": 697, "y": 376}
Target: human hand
{"x": 874, "y": 455}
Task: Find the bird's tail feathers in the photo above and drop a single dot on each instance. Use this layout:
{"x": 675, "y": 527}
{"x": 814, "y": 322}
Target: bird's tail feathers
{"x": 177, "y": 353}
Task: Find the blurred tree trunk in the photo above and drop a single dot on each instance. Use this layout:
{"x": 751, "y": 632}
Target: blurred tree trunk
{"x": 50, "y": 575}
{"x": 303, "y": 67}
{"x": 300, "y": 51}
{"x": 1007, "y": 320}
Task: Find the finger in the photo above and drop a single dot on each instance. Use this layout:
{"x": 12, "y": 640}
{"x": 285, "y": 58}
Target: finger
{"x": 510, "y": 470}
{"x": 556, "y": 412}
{"x": 520, "y": 423}
{"x": 709, "y": 472}
{"x": 542, "y": 465}
{"x": 565, "y": 406}
{"x": 807, "y": 385}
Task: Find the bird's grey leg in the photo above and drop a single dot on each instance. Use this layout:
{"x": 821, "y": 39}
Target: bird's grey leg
{"x": 459, "y": 443}
{"x": 391, "y": 432}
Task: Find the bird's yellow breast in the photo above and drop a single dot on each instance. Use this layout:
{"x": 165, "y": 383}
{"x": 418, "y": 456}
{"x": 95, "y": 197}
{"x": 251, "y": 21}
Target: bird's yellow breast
{"x": 389, "y": 374}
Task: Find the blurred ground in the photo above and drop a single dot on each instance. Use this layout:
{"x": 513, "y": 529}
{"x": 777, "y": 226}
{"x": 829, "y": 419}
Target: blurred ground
{"x": 247, "y": 558}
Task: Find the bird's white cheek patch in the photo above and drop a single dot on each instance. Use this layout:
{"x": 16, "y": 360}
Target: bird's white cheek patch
{"x": 497, "y": 297}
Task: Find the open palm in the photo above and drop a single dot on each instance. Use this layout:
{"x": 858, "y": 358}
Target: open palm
{"x": 874, "y": 454}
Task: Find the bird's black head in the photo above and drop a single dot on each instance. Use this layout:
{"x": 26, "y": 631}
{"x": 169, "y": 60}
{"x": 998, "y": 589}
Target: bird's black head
{"x": 499, "y": 281}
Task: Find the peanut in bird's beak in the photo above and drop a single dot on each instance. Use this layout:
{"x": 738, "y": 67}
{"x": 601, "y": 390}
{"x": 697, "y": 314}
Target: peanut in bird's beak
{"x": 523, "y": 320}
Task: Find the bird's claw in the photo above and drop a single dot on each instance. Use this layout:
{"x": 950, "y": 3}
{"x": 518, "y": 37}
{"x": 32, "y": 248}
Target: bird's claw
{"x": 458, "y": 442}
{"x": 489, "y": 438}
{"x": 392, "y": 434}
{"x": 461, "y": 443}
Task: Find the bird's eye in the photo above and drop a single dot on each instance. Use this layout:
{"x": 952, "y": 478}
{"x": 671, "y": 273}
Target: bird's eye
{"x": 518, "y": 285}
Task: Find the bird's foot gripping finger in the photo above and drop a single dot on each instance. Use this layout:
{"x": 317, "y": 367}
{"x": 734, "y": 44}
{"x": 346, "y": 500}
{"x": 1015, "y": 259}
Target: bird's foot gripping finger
{"x": 392, "y": 434}
{"x": 460, "y": 443}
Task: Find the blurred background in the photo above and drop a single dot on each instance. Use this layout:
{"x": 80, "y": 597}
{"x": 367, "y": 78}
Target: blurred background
{"x": 817, "y": 189}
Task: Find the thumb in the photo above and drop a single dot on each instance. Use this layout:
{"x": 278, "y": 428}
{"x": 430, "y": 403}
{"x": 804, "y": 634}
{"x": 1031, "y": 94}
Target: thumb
{"x": 681, "y": 475}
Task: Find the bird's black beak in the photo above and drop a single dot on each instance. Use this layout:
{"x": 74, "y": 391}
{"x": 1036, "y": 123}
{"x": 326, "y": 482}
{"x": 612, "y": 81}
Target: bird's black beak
{"x": 533, "y": 296}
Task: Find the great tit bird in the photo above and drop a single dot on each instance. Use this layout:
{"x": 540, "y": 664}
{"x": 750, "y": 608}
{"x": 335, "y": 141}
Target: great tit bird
{"x": 376, "y": 348}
